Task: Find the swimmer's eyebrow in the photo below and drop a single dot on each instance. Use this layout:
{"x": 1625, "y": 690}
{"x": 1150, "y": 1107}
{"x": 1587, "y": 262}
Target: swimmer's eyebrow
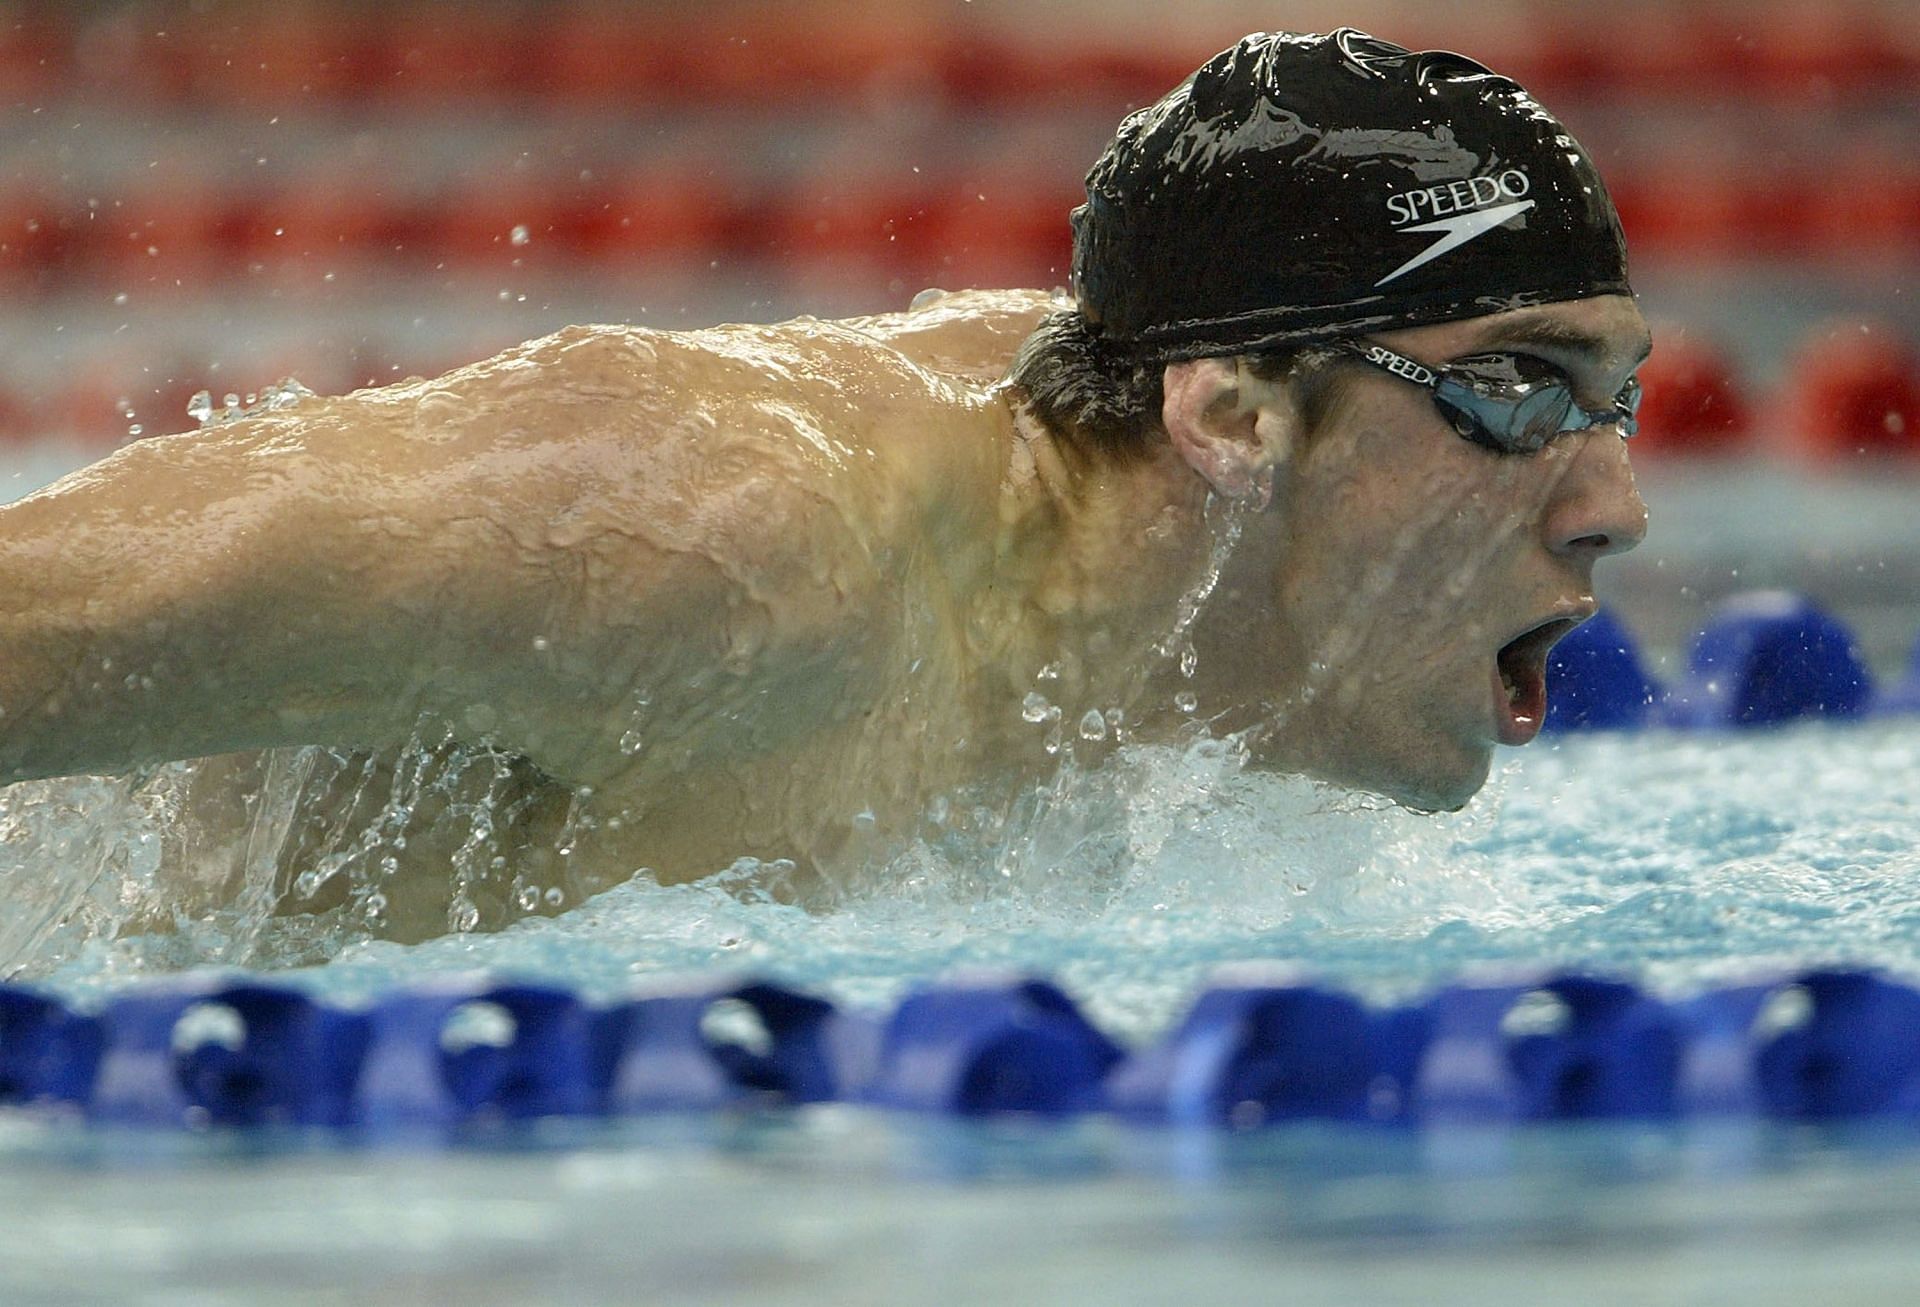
{"x": 1562, "y": 337}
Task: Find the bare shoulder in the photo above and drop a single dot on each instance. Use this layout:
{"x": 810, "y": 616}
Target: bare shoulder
{"x": 971, "y": 333}
{"x": 868, "y": 424}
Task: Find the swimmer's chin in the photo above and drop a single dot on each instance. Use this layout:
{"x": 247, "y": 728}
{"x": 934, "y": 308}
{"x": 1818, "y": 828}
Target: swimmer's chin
{"x": 1426, "y": 792}
{"x": 1438, "y": 793}
{"x": 1444, "y": 778}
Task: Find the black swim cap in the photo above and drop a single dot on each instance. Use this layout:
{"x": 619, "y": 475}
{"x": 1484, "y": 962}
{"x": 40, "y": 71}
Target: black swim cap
{"x": 1305, "y": 187}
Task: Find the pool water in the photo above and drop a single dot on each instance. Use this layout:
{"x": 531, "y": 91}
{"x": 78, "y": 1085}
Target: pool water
{"x": 1674, "y": 860}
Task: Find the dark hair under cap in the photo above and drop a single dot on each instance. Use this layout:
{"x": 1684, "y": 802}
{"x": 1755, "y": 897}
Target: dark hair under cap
{"x": 1304, "y": 187}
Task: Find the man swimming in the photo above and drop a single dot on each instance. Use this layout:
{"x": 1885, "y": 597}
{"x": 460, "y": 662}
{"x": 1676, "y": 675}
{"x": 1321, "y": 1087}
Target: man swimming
{"x": 1322, "y": 454}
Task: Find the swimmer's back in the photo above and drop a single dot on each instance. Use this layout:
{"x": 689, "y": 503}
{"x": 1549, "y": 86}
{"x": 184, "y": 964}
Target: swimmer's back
{"x": 517, "y": 548}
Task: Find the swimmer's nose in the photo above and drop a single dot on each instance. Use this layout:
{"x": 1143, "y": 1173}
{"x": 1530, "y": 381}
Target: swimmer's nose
{"x": 1597, "y": 509}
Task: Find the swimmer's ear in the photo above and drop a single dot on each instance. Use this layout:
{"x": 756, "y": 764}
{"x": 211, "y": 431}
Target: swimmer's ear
{"x": 1235, "y": 429}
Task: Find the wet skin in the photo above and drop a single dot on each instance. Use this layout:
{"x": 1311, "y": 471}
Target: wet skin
{"x": 782, "y": 591}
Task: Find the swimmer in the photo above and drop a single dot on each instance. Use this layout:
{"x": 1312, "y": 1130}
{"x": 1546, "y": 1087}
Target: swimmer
{"x": 1320, "y": 454}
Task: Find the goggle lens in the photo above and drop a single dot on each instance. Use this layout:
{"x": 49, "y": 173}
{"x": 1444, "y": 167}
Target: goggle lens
{"x": 1512, "y": 403}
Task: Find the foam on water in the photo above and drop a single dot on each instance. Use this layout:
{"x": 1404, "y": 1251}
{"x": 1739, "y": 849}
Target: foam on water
{"x": 1674, "y": 859}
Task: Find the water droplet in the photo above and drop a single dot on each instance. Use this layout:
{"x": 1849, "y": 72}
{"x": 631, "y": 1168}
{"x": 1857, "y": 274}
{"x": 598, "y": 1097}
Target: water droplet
{"x": 1186, "y": 701}
{"x": 464, "y": 916}
{"x": 282, "y": 394}
{"x": 519, "y": 234}
{"x": 1051, "y": 672}
{"x": 1189, "y": 662}
{"x": 527, "y": 897}
{"x": 200, "y": 407}
{"x": 540, "y": 644}
{"x": 864, "y": 820}
{"x": 135, "y": 429}
{"x": 1093, "y": 726}
{"x": 1034, "y": 707}
{"x": 554, "y": 896}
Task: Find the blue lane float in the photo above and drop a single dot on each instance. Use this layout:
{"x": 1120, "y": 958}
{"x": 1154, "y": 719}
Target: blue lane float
{"x": 1766, "y": 658}
{"x": 439, "y": 1062}
{"x": 1597, "y": 682}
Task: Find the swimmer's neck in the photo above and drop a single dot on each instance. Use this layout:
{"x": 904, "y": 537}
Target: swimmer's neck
{"x": 1103, "y": 549}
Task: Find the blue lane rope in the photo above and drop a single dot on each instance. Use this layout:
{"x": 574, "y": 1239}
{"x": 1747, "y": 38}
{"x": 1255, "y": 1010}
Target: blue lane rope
{"x": 1257, "y": 1048}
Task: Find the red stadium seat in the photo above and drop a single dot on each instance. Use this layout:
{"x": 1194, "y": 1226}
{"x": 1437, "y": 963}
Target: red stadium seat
{"x": 1092, "y": 71}
{"x": 291, "y": 54}
{"x": 801, "y": 52}
{"x": 168, "y": 234}
{"x": 494, "y": 220}
{"x": 1008, "y": 229}
{"x": 1816, "y": 51}
{"x": 1856, "y": 391}
{"x": 602, "y": 56}
{"x": 144, "y": 51}
{"x": 678, "y": 213}
{"x": 448, "y": 54}
{"x": 1679, "y": 208}
{"x": 312, "y": 224}
{"x": 43, "y": 235}
{"x": 844, "y": 219}
{"x": 1867, "y": 205}
{"x": 35, "y": 55}
{"x": 1776, "y": 212}
{"x": 1692, "y": 402}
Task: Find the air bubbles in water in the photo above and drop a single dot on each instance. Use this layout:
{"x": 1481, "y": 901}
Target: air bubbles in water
{"x": 1093, "y": 726}
{"x": 1034, "y": 708}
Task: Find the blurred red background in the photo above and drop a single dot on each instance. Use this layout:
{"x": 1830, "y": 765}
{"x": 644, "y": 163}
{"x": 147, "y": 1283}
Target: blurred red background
{"x": 217, "y": 195}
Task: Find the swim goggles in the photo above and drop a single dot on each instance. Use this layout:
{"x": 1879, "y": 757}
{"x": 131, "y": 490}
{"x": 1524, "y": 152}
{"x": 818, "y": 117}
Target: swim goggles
{"x": 1511, "y": 403}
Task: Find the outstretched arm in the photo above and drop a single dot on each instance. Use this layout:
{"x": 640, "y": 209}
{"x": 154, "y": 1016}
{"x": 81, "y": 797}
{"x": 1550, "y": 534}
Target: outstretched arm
{"x": 330, "y": 572}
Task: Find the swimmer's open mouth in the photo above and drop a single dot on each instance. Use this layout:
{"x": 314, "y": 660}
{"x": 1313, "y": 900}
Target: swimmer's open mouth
{"x": 1520, "y": 679}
